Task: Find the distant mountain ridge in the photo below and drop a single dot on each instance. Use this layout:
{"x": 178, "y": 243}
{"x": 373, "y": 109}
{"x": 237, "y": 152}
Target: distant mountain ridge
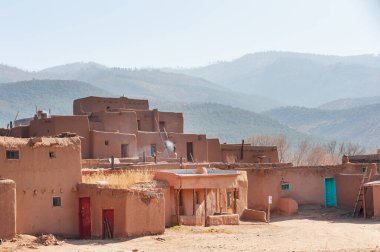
{"x": 231, "y": 124}
{"x": 359, "y": 124}
{"x": 296, "y": 78}
{"x": 152, "y": 84}
{"x": 57, "y": 95}
{"x": 348, "y": 103}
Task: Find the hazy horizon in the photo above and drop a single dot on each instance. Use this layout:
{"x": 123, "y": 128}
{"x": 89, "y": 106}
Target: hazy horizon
{"x": 148, "y": 34}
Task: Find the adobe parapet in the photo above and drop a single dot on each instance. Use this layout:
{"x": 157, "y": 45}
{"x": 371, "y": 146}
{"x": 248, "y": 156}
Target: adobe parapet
{"x": 91, "y": 104}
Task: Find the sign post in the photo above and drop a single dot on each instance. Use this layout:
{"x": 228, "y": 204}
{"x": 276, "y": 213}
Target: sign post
{"x": 269, "y": 203}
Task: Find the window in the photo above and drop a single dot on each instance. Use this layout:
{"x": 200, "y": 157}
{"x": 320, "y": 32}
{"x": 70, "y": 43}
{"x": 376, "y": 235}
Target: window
{"x": 138, "y": 125}
{"x": 56, "y": 201}
{"x": 51, "y": 154}
{"x": 153, "y": 150}
{"x": 106, "y": 142}
{"x": 162, "y": 126}
{"x": 285, "y": 187}
{"x": 13, "y": 154}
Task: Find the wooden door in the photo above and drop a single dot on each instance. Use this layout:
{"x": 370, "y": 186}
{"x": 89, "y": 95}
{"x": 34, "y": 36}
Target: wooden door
{"x": 330, "y": 192}
{"x": 108, "y": 223}
{"x": 85, "y": 218}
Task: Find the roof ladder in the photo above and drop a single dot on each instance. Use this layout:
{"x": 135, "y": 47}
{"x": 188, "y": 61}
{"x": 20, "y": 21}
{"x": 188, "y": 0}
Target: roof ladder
{"x": 367, "y": 175}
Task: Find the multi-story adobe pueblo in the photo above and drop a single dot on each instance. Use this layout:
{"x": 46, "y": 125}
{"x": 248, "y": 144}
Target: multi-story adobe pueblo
{"x": 197, "y": 181}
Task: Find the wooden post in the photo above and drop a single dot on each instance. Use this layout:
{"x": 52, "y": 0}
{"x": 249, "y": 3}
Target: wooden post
{"x": 177, "y": 204}
{"x": 205, "y": 206}
{"x": 235, "y": 203}
{"x": 364, "y": 203}
{"x": 194, "y": 202}
{"x": 269, "y": 203}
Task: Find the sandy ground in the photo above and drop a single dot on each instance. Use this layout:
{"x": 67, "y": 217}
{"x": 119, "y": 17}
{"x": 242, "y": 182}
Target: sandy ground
{"x": 310, "y": 230}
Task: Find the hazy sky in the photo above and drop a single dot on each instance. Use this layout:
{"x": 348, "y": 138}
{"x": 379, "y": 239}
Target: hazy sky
{"x": 157, "y": 33}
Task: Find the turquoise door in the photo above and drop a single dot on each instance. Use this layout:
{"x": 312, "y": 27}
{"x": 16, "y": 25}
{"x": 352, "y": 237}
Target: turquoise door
{"x": 330, "y": 192}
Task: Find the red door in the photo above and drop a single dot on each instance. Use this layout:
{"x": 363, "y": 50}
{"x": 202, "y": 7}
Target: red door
{"x": 84, "y": 218}
{"x": 108, "y": 221}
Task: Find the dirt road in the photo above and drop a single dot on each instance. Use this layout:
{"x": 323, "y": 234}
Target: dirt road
{"x": 311, "y": 230}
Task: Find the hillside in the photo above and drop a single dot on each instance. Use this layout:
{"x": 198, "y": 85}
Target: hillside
{"x": 147, "y": 83}
{"x": 229, "y": 124}
{"x": 348, "y": 103}
{"x": 56, "y": 95}
{"x": 361, "y": 124}
{"x": 296, "y": 78}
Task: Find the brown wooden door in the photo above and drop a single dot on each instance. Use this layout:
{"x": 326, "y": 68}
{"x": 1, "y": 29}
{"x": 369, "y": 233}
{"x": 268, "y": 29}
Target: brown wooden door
{"x": 108, "y": 223}
{"x": 85, "y": 218}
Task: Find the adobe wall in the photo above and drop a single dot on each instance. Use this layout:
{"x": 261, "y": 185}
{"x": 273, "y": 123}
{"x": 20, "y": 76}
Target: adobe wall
{"x": 213, "y": 150}
{"x": 145, "y": 139}
{"x": 231, "y": 153}
{"x": 7, "y": 208}
{"x": 122, "y": 121}
{"x": 173, "y": 121}
{"x": 93, "y": 104}
{"x": 20, "y": 131}
{"x": 376, "y": 201}
{"x": 306, "y": 184}
{"x": 39, "y": 178}
{"x": 107, "y": 144}
{"x": 150, "y": 119}
{"x": 59, "y": 124}
{"x": 135, "y": 213}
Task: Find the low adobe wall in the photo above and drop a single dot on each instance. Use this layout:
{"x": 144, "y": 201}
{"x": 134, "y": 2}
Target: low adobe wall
{"x": 7, "y": 208}
{"x": 223, "y": 219}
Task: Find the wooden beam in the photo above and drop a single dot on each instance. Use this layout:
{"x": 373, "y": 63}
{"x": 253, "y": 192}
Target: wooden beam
{"x": 235, "y": 203}
{"x": 194, "y": 202}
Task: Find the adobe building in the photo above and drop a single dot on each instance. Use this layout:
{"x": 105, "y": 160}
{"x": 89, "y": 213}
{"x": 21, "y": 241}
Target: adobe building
{"x": 41, "y": 191}
{"x": 127, "y": 129}
{"x": 45, "y": 173}
{"x": 204, "y": 196}
{"x": 325, "y": 186}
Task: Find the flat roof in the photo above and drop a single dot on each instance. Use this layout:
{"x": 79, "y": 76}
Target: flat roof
{"x": 192, "y": 172}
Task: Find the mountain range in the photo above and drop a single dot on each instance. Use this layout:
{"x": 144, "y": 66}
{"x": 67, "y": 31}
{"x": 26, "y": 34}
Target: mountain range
{"x": 296, "y": 79}
{"x": 298, "y": 95}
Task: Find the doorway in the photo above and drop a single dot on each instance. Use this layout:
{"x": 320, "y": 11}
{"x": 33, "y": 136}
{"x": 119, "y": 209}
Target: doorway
{"x": 85, "y": 218}
{"x": 124, "y": 150}
{"x": 189, "y": 152}
{"x": 330, "y": 192}
{"x": 108, "y": 221}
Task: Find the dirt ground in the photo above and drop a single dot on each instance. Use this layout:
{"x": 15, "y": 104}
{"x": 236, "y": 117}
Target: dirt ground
{"x": 311, "y": 230}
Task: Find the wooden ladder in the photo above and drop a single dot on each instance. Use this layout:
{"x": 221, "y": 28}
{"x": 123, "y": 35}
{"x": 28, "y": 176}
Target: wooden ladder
{"x": 359, "y": 199}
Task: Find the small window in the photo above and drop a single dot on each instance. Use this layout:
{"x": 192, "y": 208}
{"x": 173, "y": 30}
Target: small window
{"x": 106, "y": 142}
{"x": 56, "y": 201}
{"x": 138, "y": 125}
{"x": 285, "y": 187}
{"x": 162, "y": 126}
{"x": 51, "y": 154}
{"x": 13, "y": 154}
